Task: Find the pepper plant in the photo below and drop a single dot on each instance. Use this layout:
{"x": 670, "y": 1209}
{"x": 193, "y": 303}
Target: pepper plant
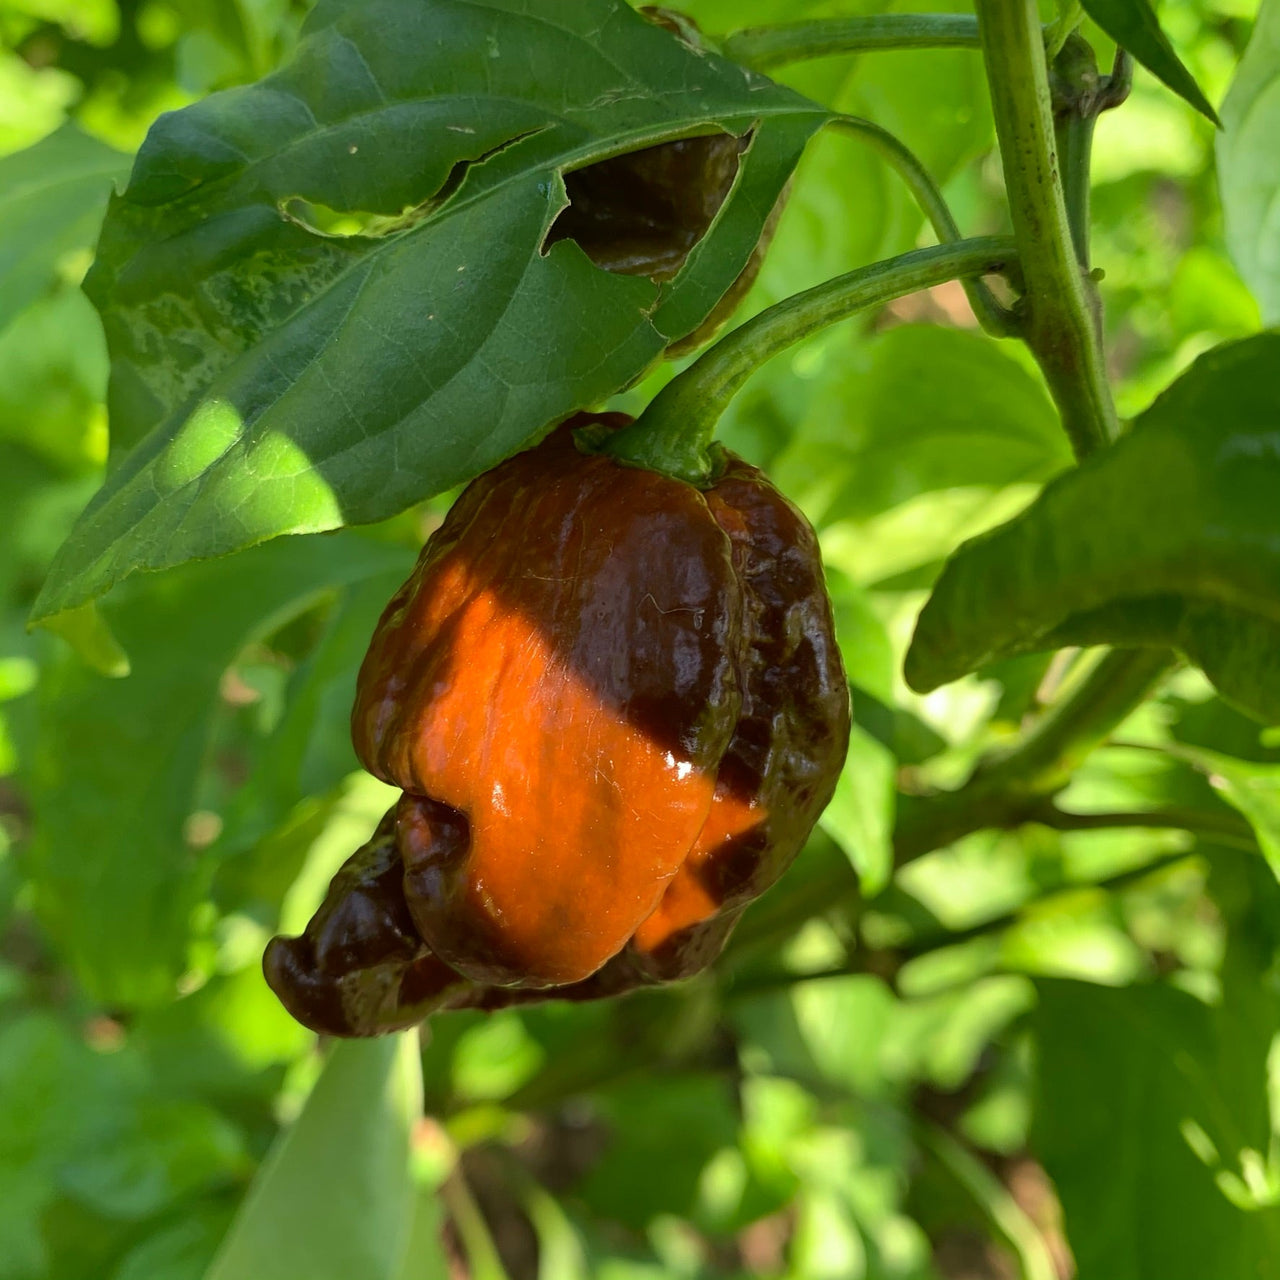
{"x": 986, "y": 294}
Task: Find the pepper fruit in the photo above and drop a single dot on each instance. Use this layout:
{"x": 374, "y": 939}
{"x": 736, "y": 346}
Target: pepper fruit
{"x": 615, "y": 708}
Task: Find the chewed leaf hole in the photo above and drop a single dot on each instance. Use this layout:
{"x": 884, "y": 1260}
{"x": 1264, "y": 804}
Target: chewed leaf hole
{"x": 641, "y": 214}
{"x": 321, "y": 220}
{"x": 342, "y": 224}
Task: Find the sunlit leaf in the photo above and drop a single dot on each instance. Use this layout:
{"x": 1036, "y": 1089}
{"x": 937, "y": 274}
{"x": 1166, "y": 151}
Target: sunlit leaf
{"x": 1249, "y": 162}
{"x": 1170, "y": 537}
{"x": 335, "y": 1198}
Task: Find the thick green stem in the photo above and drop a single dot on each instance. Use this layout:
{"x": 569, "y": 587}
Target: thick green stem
{"x": 1060, "y": 323}
{"x": 673, "y": 435}
{"x": 994, "y": 318}
{"x": 762, "y": 47}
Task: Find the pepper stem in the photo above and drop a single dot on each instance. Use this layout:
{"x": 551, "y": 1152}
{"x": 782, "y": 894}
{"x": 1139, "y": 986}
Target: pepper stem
{"x": 674, "y": 434}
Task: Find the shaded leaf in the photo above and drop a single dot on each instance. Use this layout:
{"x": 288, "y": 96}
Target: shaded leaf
{"x": 116, "y": 762}
{"x": 1133, "y": 24}
{"x": 279, "y": 371}
{"x": 1147, "y": 1098}
{"x": 309, "y": 751}
{"x": 1248, "y": 151}
{"x": 335, "y": 1198}
{"x": 1167, "y": 538}
{"x": 676, "y": 1128}
{"x": 51, "y": 200}
{"x": 860, "y": 816}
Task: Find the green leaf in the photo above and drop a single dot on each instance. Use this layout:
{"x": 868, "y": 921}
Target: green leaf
{"x": 334, "y": 1200}
{"x": 53, "y": 380}
{"x": 310, "y": 751}
{"x": 1133, "y": 24}
{"x": 860, "y": 816}
{"x": 272, "y": 377}
{"x": 676, "y": 1128}
{"x": 1146, "y": 1099}
{"x": 1249, "y": 162}
{"x": 116, "y": 762}
{"x": 1253, "y": 789}
{"x": 51, "y": 200}
{"x": 1170, "y": 537}
{"x": 918, "y": 410}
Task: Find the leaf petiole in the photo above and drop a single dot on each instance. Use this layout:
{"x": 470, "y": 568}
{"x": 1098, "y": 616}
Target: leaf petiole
{"x": 773, "y": 46}
{"x": 673, "y": 435}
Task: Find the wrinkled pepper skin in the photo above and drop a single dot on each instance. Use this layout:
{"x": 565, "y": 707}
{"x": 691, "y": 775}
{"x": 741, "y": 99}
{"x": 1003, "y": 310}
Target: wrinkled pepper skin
{"x": 615, "y": 708}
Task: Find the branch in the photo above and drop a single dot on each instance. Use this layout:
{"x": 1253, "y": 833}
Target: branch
{"x": 1060, "y": 305}
{"x": 994, "y": 318}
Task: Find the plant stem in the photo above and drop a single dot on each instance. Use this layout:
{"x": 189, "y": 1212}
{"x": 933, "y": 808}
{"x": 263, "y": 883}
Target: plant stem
{"x": 1225, "y": 828}
{"x": 1007, "y": 787}
{"x": 673, "y": 435}
{"x": 1059, "y": 303}
{"x": 771, "y": 46}
{"x": 994, "y": 318}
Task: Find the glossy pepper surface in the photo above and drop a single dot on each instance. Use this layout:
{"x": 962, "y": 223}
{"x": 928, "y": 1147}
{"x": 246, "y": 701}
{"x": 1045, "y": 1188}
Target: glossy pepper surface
{"x": 615, "y": 708}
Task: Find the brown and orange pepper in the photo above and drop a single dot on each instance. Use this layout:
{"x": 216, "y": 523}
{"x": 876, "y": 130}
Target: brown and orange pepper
{"x": 615, "y": 708}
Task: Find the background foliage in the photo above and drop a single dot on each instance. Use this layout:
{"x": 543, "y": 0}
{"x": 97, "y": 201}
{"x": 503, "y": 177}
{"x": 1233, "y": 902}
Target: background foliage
{"x": 1035, "y": 1053}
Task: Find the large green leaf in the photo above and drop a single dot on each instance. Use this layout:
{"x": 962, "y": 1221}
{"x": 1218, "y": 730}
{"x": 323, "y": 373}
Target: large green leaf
{"x": 272, "y": 377}
{"x": 334, "y": 1200}
{"x": 1170, "y": 537}
{"x": 917, "y": 410}
{"x": 1151, "y": 1111}
{"x": 1249, "y": 162}
{"x": 1133, "y": 24}
{"x": 51, "y": 200}
{"x": 116, "y": 762}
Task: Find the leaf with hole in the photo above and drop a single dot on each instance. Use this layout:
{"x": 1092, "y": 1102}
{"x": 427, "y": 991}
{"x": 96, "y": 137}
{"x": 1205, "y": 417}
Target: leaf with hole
{"x": 1170, "y": 537}
{"x": 339, "y": 290}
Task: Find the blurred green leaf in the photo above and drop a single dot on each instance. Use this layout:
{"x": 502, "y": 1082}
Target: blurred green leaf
{"x": 116, "y": 762}
{"x": 294, "y": 379}
{"x": 1249, "y": 162}
{"x": 860, "y": 816}
{"x": 1253, "y": 789}
{"x": 53, "y": 379}
{"x": 81, "y": 1131}
{"x": 921, "y": 409}
{"x": 334, "y": 1200}
{"x": 662, "y": 1133}
{"x": 1133, "y": 24}
{"x": 33, "y": 100}
{"x": 309, "y": 751}
{"x": 1167, "y": 538}
{"x": 1146, "y": 1098}
{"x": 52, "y": 197}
